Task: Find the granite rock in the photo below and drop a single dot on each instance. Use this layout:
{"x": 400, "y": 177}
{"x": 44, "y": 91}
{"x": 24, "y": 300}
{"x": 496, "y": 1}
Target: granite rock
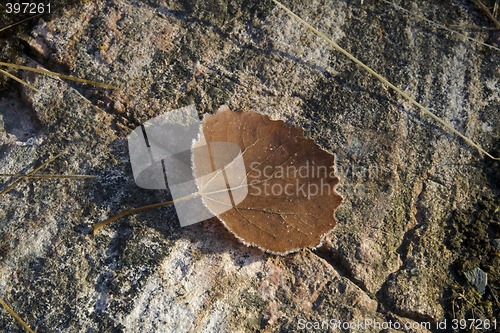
{"x": 419, "y": 203}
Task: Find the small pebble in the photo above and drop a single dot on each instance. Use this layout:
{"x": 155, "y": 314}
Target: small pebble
{"x": 478, "y": 278}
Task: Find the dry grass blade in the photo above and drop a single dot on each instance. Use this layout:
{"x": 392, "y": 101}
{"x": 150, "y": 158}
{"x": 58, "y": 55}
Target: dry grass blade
{"x": 16, "y": 316}
{"x": 13, "y": 77}
{"x": 62, "y": 76}
{"x": 441, "y": 26}
{"x": 19, "y": 179}
{"x": 46, "y": 176}
{"x": 44, "y": 71}
{"x": 19, "y": 22}
{"x": 384, "y": 80}
{"x": 487, "y": 13}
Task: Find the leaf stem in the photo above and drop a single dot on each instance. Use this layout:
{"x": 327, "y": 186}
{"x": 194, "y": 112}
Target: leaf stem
{"x": 98, "y": 226}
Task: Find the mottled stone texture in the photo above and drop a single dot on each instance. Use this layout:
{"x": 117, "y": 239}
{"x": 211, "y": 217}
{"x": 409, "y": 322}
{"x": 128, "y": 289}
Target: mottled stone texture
{"x": 420, "y": 206}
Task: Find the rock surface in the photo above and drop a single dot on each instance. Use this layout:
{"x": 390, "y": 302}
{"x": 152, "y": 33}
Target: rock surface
{"x": 419, "y": 210}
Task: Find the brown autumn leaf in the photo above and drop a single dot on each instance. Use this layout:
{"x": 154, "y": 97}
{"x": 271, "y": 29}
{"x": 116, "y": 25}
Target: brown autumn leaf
{"x": 291, "y": 197}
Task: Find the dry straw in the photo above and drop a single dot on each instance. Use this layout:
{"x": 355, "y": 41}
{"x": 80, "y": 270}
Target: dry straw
{"x": 384, "y": 80}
